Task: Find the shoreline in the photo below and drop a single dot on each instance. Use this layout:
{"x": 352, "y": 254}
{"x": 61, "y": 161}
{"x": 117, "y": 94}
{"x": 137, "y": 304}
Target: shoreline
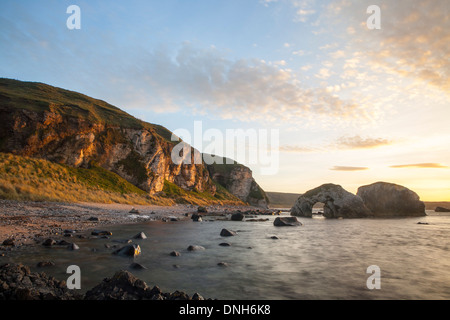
{"x": 28, "y": 222}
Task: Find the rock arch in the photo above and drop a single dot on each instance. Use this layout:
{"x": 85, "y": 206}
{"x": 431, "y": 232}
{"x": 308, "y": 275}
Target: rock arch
{"x": 339, "y": 203}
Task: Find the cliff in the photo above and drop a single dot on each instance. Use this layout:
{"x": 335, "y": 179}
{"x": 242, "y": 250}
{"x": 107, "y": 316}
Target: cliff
{"x": 69, "y": 128}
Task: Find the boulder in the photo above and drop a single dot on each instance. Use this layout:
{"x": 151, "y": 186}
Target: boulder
{"x": 195, "y": 248}
{"x": 338, "y": 203}
{"x": 141, "y": 236}
{"x": 202, "y": 210}
{"x": 134, "y": 211}
{"x": 388, "y": 199}
{"x": 287, "y": 222}
{"x": 8, "y": 242}
{"x": 441, "y": 209}
{"x": 73, "y": 247}
{"x": 227, "y": 233}
{"x": 196, "y": 217}
{"x": 238, "y": 216}
{"x": 131, "y": 250}
{"x": 175, "y": 254}
{"x": 101, "y": 233}
{"x": 49, "y": 243}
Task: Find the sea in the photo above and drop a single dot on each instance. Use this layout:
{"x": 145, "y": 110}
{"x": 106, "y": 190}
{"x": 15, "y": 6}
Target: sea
{"x": 360, "y": 259}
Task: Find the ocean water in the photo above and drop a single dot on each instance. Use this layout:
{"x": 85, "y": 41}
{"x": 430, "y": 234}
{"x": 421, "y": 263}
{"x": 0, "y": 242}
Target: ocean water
{"x": 323, "y": 259}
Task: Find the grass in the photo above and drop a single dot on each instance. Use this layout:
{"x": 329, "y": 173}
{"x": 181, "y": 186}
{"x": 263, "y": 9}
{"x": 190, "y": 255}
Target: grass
{"x": 31, "y": 179}
{"x": 40, "y": 97}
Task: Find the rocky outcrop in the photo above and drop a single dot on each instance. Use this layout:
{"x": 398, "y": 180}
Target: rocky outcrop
{"x": 441, "y": 209}
{"x": 239, "y": 181}
{"x": 66, "y": 127}
{"x": 17, "y": 282}
{"x": 338, "y": 203}
{"x": 388, "y": 199}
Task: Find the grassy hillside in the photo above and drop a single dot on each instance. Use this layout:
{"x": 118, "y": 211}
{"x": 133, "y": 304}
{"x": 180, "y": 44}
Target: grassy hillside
{"x": 39, "y": 97}
{"x": 23, "y": 178}
{"x": 282, "y": 200}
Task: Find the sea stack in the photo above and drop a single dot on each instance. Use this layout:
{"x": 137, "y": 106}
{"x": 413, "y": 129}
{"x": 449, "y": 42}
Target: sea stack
{"x": 391, "y": 200}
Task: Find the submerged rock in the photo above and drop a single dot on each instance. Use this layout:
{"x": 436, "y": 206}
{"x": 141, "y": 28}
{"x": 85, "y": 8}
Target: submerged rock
{"x": 388, "y": 199}
{"x": 238, "y": 216}
{"x": 338, "y": 203}
{"x": 286, "y": 222}
{"x": 137, "y": 266}
{"x": 195, "y": 248}
{"x": 227, "y": 233}
{"x": 140, "y": 235}
{"x": 73, "y": 246}
{"x": 175, "y": 254}
{"x": 131, "y": 250}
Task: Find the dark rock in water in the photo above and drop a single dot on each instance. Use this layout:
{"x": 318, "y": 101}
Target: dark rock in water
{"x": 286, "y": 222}
{"x": 140, "y": 235}
{"x": 73, "y": 246}
{"x": 101, "y": 233}
{"x": 238, "y": 216}
{"x": 196, "y": 217}
{"x": 339, "y": 203}
{"x": 227, "y": 233}
{"x": 388, "y": 199}
{"x": 176, "y": 266}
{"x": 49, "y": 243}
{"x": 17, "y": 282}
{"x": 202, "y": 210}
{"x": 9, "y": 242}
{"x": 43, "y": 264}
{"x": 225, "y": 244}
{"x": 62, "y": 243}
{"x": 195, "y": 248}
{"x": 222, "y": 264}
{"x": 274, "y": 238}
{"x": 131, "y": 250}
{"x": 425, "y": 223}
{"x": 134, "y": 211}
{"x": 441, "y": 209}
{"x": 137, "y": 266}
{"x": 93, "y": 219}
{"x": 68, "y": 235}
{"x": 175, "y": 254}
{"x": 69, "y": 231}
{"x": 257, "y": 220}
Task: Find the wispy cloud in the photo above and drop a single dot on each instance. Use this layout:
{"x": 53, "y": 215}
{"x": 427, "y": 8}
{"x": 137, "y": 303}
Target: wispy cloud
{"x": 297, "y": 149}
{"x": 357, "y": 142}
{"x": 421, "y": 165}
{"x": 341, "y": 168}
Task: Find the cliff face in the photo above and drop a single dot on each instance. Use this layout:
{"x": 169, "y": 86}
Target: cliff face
{"x": 61, "y": 126}
{"x": 138, "y": 155}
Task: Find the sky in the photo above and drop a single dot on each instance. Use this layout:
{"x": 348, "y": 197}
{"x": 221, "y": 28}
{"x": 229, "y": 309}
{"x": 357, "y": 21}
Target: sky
{"x": 348, "y": 104}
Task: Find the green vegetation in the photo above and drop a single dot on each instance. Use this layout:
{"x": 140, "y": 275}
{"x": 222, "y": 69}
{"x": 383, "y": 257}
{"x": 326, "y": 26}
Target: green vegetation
{"x": 179, "y": 195}
{"x": 23, "y": 178}
{"x": 40, "y": 97}
{"x": 134, "y": 166}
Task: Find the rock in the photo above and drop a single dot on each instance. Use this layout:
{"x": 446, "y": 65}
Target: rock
{"x": 134, "y": 211}
{"x": 131, "y": 250}
{"x": 62, "y": 243}
{"x": 93, "y": 219}
{"x": 101, "y": 233}
{"x": 17, "y": 282}
{"x": 274, "y": 238}
{"x": 225, "y": 244}
{"x": 441, "y": 209}
{"x": 178, "y": 295}
{"x": 196, "y": 217}
{"x": 238, "y": 216}
{"x": 140, "y": 235}
{"x": 257, "y": 220}
{"x": 287, "y": 222}
{"x": 197, "y": 296}
{"x": 69, "y": 231}
{"x": 425, "y": 223}
{"x": 43, "y": 264}
{"x": 73, "y": 247}
{"x": 137, "y": 266}
{"x": 388, "y": 199}
{"x": 227, "y": 233}
{"x": 222, "y": 264}
{"x": 202, "y": 210}
{"x": 338, "y": 203}
{"x": 9, "y": 242}
{"x": 195, "y": 248}
{"x": 175, "y": 253}
{"x": 49, "y": 243}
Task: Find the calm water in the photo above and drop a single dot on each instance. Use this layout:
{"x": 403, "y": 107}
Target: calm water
{"x": 324, "y": 259}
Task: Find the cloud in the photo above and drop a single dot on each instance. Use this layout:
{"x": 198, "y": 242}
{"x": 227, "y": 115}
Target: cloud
{"x": 340, "y": 168}
{"x": 356, "y": 142}
{"x": 421, "y": 165}
{"x": 297, "y": 149}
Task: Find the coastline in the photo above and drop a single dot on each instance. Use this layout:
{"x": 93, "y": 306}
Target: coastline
{"x": 28, "y": 223}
